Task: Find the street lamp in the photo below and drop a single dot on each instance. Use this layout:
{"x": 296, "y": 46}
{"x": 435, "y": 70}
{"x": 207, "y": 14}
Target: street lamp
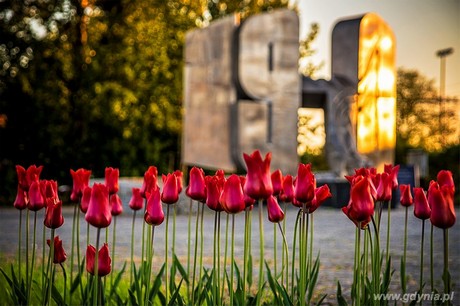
{"x": 442, "y": 54}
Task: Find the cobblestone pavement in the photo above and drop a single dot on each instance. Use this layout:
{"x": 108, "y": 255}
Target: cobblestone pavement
{"x": 334, "y": 236}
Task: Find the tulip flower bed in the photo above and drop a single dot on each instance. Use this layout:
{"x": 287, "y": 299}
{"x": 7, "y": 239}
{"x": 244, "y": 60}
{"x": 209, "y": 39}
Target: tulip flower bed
{"x": 288, "y": 276}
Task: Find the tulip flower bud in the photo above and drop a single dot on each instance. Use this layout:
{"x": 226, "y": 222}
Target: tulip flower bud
{"x": 154, "y": 212}
{"x": 111, "y": 179}
{"x": 258, "y": 180}
{"x": 304, "y": 190}
{"x": 99, "y": 213}
{"x": 406, "y": 196}
{"x": 170, "y": 192}
{"x": 275, "y": 213}
{"x": 21, "y": 201}
{"x": 197, "y": 186}
{"x": 421, "y": 208}
{"x": 59, "y": 253}
{"x": 86, "y": 197}
{"x": 36, "y": 198}
{"x": 277, "y": 182}
{"x": 53, "y": 214}
{"x": 232, "y": 197}
{"x": 104, "y": 261}
{"x": 150, "y": 182}
{"x": 442, "y": 207}
{"x": 80, "y": 182}
{"x": 116, "y": 206}
{"x": 137, "y": 201}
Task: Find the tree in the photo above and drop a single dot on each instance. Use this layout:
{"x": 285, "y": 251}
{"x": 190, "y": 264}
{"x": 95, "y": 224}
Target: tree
{"x": 422, "y": 120}
{"x": 96, "y": 83}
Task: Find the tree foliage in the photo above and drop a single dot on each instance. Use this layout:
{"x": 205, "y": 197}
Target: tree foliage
{"x": 96, "y": 83}
{"x": 423, "y": 120}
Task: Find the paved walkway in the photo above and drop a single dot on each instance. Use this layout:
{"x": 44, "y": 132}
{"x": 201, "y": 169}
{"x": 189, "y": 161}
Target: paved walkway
{"x": 334, "y": 237}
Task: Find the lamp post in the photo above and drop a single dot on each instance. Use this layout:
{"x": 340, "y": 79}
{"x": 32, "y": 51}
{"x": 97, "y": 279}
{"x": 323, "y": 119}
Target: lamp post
{"x": 442, "y": 54}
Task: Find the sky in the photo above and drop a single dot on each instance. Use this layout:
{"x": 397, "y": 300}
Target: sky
{"x": 421, "y": 28}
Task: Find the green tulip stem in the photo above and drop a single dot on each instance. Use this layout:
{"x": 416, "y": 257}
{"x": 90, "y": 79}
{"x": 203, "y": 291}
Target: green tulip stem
{"x": 96, "y": 270}
{"x": 132, "y": 248}
{"x": 358, "y": 266}
{"x": 20, "y": 243}
{"x": 286, "y": 255}
{"x": 201, "y": 240}
{"x": 388, "y": 231}
{"x": 232, "y": 256}
{"x": 310, "y": 255}
{"x": 403, "y": 263}
{"x": 65, "y": 280}
{"x": 43, "y": 259}
{"x": 196, "y": 252}
{"x": 446, "y": 276}
{"x": 432, "y": 262}
{"x": 421, "y": 260}
{"x": 166, "y": 256}
{"x": 50, "y": 269}
{"x": 225, "y": 253}
{"x": 245, "y": 250}
{"x": 174, "y": 230}
{"x": 261, "y": 254}
{"x": 274, "y": 250}
{"x": 214, "y": 261}
{"x": 283, "y": 258}
{"x": 27, "y": 247}
{"x": 78, "y": 248}
{"x": 298, "y": 218}
{"x": 219, "y": 300}
{"x": 114, "y": 239}
{"x": 29, "y": 285}
{"x": 73, "y": 246}
{"x": 189, "y": 245}
{"x": 149, "y": 264}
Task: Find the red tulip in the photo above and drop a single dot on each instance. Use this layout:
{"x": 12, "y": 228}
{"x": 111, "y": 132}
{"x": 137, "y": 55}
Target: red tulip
{"x": 104, "y": 261}
{"x": 361, "y": 205}
{"x": 170, "y": 193}
{"x": 371, "y": 175}
{"x": 363, "y": 223}
{"x": 197, "y": 186}
{"x": 116, "y": 205}
{"x": 21, "y": 200}
{"x": 86, "y": 197}
{"x": 80, "y": 182}
{"x": 322, "y": 193}
{"x": 111, "y": 179}
{"x": 287, "y": 193}
{"x": 248, "y": 201}
{"x": 305, "y": 185}
{"x": 445, "y": 178}
{"x": 99, "y": 214}
{"x": 258, "y": 180}
{"x": 393, "y": 173}
{"x": 275, "y": 213}
{"x": 59, "y": 254}
{"x": 421, "y": 208}
{"x": 27, "y": 177}
{"x": 406, "y": 196}
{"x": 36, "y": 198}
{"x": 277, "y": 182}
{"x": 179, "y": 175}
{"x": 232, "y": 197}
{"x": 150, "y": 182}
{"x": 384, "y": 187}
{"x": 154, "y": 212}
{"x": 214, "y": 188}
{"x": 137, "y": 201}
{"x": 442, "y": 207}
{"x": 53, "y": 213}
